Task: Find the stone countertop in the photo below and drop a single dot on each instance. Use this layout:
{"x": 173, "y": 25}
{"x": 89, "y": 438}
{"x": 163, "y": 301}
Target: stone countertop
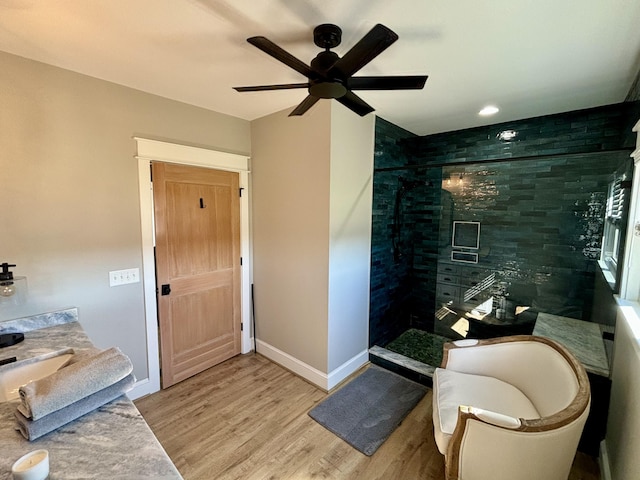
{"x": 583, "y": 339}
{"x": 113, "y": 441}
{"x": 47, "y": 341}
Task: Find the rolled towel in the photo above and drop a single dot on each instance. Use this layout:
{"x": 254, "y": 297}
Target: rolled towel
{"x": 32, "y": 429}
{"x": 74, "y": 382}
{"x": 79, "y": 355}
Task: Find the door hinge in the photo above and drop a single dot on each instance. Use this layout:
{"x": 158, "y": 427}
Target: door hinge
{"x": 240, "y": 261}
{"x": 240, "y": 190}
{"x": 241, "y": 327}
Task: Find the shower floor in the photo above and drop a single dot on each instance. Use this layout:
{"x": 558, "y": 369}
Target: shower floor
{"x": 415, "y": 354}
{"x": 422, "y": 346}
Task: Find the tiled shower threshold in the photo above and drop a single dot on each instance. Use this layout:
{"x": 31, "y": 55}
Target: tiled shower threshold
{"x": 405, "y": 366}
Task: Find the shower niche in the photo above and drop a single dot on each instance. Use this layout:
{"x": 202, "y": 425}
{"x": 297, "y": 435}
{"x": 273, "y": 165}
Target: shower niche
{"x": 465, "y": 241}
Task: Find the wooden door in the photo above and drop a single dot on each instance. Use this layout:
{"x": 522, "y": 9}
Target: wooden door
{"x": 197, "y": 221}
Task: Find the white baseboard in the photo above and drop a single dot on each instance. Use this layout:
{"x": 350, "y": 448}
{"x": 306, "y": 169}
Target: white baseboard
{"x": 309, "y": 373}
{"x": 298, "y": 367}
{"x": 605, "y": 470}
{"x": 141, "y": 388}
{"x": 347, "y": 368}
{"x": 322, "y": 380}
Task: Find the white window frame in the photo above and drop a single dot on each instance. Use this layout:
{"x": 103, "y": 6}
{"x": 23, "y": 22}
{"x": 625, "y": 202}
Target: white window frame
{"x": 611, "y": 238}
{"x": 630, "y": 280}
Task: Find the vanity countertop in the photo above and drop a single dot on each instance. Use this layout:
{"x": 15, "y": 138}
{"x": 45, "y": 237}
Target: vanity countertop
{"x": 113, "y": 441}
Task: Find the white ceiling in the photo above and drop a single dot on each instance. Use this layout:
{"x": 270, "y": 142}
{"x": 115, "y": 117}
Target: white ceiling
{"x": 527, "y": 57}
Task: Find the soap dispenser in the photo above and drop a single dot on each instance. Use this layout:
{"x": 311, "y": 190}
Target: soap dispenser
{"x": 12, "y": 291}
{"x": 12, "y": 288}
{"x": 7, "y": 285}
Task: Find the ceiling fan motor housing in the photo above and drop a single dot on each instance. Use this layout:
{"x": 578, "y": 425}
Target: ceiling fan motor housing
{"x": 327, "y": 89}
{"x": 323, "y": 86}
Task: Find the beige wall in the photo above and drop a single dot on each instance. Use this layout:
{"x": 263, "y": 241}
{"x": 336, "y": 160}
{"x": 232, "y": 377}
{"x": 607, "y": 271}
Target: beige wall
{"x": 70, "y": 193}
{"x": 622, "y": 442}
{"x": 352, "y": 145}
{"x": 290, "y": 187}
{"x": 311, "y": 237}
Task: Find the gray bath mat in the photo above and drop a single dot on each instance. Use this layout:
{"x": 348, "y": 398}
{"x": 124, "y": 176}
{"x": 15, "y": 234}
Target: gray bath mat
{"x": 368, "y": 409}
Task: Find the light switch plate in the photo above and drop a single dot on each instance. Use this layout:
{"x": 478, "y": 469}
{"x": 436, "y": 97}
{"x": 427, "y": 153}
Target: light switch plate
{"x": 123, "y": 277}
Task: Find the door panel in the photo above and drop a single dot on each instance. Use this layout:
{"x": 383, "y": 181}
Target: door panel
{"x": 198, "y": 255}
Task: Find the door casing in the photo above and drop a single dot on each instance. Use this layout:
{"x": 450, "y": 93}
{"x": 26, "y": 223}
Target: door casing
{"x": 154, "y": 150}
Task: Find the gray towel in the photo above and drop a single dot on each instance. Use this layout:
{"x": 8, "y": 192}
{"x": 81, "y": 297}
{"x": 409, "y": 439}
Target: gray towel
{"x": 32, "y": 429}
{"x": 79, "y": 355}
{"x": 73, "y": 382}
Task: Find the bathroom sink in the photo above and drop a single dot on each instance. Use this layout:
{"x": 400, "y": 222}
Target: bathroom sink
{"x": 13, "y": 376}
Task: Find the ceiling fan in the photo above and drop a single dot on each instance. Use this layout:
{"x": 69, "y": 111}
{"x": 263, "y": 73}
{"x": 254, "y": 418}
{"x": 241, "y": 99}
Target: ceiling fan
{"x": 330, "y": 76}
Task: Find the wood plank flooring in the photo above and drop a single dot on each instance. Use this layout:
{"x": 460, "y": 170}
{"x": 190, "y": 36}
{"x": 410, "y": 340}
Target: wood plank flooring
{"x": 247, "y": 419}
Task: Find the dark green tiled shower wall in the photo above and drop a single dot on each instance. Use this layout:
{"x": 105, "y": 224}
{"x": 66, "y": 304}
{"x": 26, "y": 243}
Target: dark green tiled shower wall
{"x": 390, "y": 279}
{"x": 541, "y": 225}
{"x": 540, "y": 214}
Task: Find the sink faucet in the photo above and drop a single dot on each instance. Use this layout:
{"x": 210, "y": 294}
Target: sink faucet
{"x": 8, "y": 339}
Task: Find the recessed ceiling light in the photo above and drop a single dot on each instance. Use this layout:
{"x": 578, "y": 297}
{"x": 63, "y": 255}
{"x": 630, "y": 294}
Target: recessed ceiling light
{"x": 489, "y": 110}
{"x": 507, "y": 135}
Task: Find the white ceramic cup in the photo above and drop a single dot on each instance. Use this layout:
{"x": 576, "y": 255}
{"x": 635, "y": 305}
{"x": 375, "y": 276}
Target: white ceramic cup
{"x": 32, "y": 466}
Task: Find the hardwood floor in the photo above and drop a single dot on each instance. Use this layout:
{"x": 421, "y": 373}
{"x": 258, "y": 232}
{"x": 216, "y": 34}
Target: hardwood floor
{"x": 247, "y": 419}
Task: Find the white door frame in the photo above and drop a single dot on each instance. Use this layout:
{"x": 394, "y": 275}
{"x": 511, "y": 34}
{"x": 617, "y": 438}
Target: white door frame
{"x": 155, "y": 150}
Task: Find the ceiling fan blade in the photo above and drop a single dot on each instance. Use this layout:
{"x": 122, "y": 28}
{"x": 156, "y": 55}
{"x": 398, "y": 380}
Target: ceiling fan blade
{"x": 407, "y": 82}
{"x": 270, "y": 48}
{"x": 260, "y": 88}
{"x": 305, "y": 105}
{"x": 369, "y": 47}
{"x": 355, "y": 103}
